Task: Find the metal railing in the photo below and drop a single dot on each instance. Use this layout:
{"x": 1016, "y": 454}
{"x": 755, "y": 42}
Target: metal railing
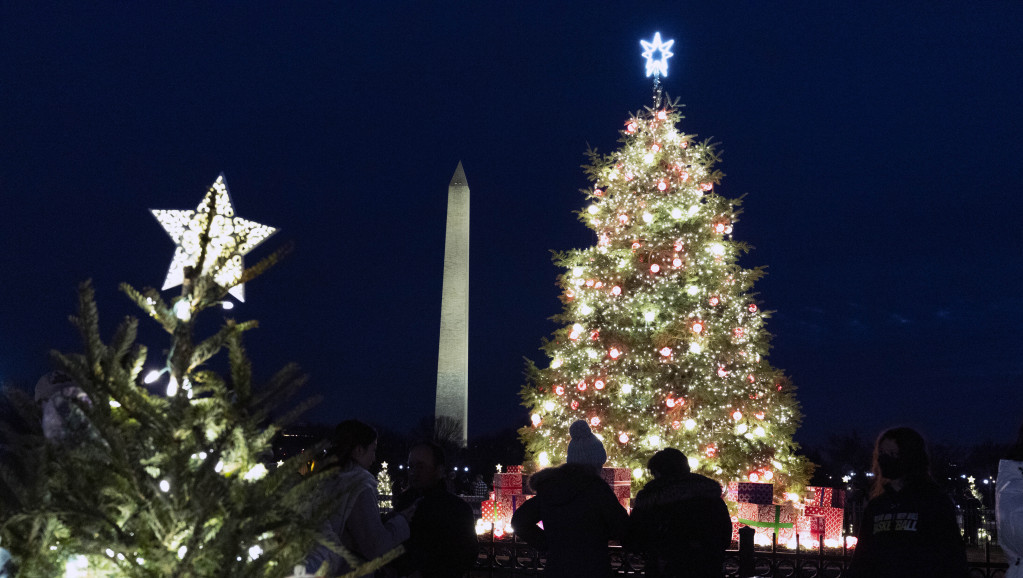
{"x": 509, "y": 557}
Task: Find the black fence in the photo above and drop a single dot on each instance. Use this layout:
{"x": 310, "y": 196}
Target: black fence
{"x": 508, "y": 556}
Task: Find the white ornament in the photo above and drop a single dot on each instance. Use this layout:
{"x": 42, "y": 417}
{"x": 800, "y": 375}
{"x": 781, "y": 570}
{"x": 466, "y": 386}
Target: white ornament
{"x": 230, "y": 239}
{"x": 657, "y": 67}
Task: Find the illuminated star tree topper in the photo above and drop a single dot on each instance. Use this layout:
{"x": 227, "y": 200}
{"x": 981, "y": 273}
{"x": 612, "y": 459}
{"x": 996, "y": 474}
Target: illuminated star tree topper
{"x": 230, "y": 239}
{"x": 657, "y": 67}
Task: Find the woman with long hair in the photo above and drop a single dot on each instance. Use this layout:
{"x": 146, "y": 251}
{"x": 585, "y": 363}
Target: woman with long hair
{"x": 908, "y": 528}
{"x": 356, "y": 524}
{"x": 1009, "y": 507}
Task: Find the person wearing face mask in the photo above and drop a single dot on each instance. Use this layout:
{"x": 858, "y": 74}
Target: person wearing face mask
{"x": 355, "y": 523}
{"x": 908, "y": 529}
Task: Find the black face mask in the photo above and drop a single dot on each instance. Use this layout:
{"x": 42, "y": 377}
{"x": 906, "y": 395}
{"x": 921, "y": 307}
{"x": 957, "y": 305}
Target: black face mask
{"x": 891, "y": 467}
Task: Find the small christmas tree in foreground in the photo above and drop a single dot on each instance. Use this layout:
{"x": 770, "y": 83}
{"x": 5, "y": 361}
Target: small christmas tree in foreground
{"x": 150, "y": 485}
{"x": 663, "y": 344}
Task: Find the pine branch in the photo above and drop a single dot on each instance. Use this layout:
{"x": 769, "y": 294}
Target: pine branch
{"x": 266, "y": 263}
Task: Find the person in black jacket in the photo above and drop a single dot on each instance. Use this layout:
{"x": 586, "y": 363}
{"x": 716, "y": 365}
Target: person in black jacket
{"x": 679, "y": 521}
{"x": 908, "y": 529}
{"x": 443, "y": 535}
{"x": 579, "y": 511}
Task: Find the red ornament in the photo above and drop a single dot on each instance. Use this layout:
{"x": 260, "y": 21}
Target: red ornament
{"x": 573, "y": 335}
{"x": 666, "y": 352}
{"x": 594, "y": 421}
{"x": 575, "y": 404}
{"x": 598, "y": 192}
{"x": 662, "y": 186}
{"x": 598, "y": 284}
{"x": 662, "y": 115}
{"x": 636, "y": 245}
{"x": 754, "y": 477}
{"x": 669, "y": 402}
{"x": 722, "y": 372}
{"x": 616, "y": 290}
{"x": 559, "y": 390}
{"x": 714, "y": 301}
{"x": 719, "y": 227}
{"x": 614, "y": 352}
{"x": 623, "y": 219}
{"x": 676, "y": 262}
{"x": 752, "y": 307}
{"x": 711, "y": 451}
{"x": 594, "y": 335}
{"x": 706, "y": 186}
{"x": 581, "y": 386}
{"x": 760, "y": 415}
{"x": 685, "y": 144}
{"x": 631, "y": 126}
{"x": 599, "y": 384}
{"x": 738, "y": 332}
{"x": 570, "y": 294}
{"x": 736, "y": 415}
{"x": 678, "y": 245}
{"x": 623, "y": 438}
{"x": 655, "y": 268}
{"x": 751, "y": 378}
{"x": 589, "y": 282}
{"x": 656, "y": 147}
{"x": 698, "y": 327}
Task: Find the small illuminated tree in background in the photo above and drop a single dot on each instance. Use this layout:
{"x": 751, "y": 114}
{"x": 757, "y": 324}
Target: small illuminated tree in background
{"x": 177, "y": 482}
{"x": 662, "y": 342}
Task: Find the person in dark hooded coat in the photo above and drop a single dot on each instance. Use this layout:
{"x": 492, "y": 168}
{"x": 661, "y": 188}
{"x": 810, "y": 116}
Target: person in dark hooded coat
{"x": 579, "y": 511}
{"x": 679, "y": 521}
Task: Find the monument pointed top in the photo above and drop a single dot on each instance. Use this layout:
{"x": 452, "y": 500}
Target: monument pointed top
{"x": 458, "y": 179}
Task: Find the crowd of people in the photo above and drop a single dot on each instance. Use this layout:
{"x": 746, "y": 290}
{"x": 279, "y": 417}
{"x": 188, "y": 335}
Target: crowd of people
{"x": 679, "y": 522}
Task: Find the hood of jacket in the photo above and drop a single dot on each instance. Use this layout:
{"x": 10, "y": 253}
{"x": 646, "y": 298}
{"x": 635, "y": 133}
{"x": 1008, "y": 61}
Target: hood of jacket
{"x": 665, "y": 491}
{"x": 564, "y": 483}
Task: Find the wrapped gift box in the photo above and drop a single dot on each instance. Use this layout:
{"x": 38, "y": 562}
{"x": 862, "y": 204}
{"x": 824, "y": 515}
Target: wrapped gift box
{"x": 510, "y": 503}
{"x": 492, "y": 511}
{"x": 507, "y": 484}
{"x": 616, "y": 475}
{"x": 752, "y": 493}
{"x": 620, "y": 480}
{"x": 770, "y": 518}
{"x": 732, "y": 492}
{"x": 833, "y": 520}
{"x": 827, "y": 497}
{"x": 816, "y": 526}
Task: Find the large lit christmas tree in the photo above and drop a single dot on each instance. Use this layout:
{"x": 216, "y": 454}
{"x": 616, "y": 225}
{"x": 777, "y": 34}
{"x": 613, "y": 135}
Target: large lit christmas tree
{"x": 662, "y": 342}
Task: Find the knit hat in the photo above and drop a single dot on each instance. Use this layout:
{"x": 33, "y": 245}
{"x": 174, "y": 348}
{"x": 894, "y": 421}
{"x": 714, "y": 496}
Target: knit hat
{"x": 585, "y": 448}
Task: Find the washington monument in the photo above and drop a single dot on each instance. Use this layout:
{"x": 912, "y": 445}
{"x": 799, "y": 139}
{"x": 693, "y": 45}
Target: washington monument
{"x": 453, "y": 359}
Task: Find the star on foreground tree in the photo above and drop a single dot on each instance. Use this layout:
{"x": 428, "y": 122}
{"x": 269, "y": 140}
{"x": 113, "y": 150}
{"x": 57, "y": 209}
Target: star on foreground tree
{"x": 230, "y": 239}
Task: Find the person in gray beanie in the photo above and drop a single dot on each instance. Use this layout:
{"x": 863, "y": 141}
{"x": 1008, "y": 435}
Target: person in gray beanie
{"x": 579, "y": 511}
{"x": 584, "y": 448}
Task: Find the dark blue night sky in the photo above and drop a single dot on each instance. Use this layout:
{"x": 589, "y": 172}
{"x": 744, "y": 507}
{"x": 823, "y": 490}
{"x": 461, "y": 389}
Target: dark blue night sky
{"x": 878, "y": 143}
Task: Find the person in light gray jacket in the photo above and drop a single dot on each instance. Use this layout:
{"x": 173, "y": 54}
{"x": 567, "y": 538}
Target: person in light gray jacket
{"x": 1009, "y": 504}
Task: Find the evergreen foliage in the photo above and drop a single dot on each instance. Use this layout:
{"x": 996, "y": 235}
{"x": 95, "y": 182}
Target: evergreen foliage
{"x": 132, "y": 482}
{"x": 662, "y": 342}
